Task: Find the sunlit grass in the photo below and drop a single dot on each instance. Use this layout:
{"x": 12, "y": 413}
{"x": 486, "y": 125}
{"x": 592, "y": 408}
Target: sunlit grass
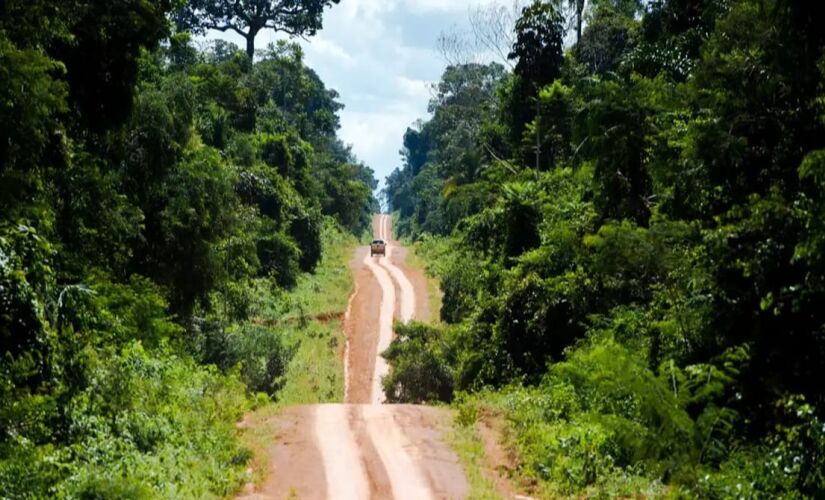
{"x": 467, "y": 444}
{"x": 317, "y": 306}
{"x": 434, "y": 294}
{"x": 310, "y": 319}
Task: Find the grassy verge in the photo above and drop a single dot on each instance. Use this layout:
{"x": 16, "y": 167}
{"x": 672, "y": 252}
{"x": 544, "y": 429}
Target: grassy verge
{"x": 316, "y": 372}
{"x": 415, "y": 260}
{"x": 421, "y": 256}
{"x": 550, "y": 455}
{"x": 310, "y": 319}
{"x": 466, "y": 442}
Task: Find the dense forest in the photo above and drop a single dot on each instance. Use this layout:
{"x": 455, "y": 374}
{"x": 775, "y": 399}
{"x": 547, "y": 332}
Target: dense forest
{"x": 151, "y": 193}
{"x": 627, "y": 221}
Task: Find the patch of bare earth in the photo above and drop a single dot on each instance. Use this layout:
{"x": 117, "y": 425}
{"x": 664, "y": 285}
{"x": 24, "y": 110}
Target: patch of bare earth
{"x": 360, "y": 328}
{"x": 500, "y": 463}
{"x": 293, "y": 459}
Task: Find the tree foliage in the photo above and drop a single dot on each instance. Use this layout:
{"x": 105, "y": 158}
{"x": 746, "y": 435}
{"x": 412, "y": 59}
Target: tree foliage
{"x": 248, "y": 17}
{"x": 538, "y": 46}
{"x": 634, "y": 276}
{"x": 149, "y": 193}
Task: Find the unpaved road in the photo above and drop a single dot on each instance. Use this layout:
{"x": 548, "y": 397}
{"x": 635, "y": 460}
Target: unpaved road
{"x": 365, "y": 449}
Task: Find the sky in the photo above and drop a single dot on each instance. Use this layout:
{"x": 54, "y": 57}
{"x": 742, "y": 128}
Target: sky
{"x": 380, "y": 55}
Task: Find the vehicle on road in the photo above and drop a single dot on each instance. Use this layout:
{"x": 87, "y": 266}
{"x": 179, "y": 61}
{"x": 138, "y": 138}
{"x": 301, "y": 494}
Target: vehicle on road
{"x": 378, "y": 247}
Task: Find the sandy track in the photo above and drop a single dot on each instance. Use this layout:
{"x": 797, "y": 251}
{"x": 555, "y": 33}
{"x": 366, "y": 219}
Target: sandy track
{"x": 364, "y": 449}
{"x": 361, "y": 326}
{"x": 340, "y": 456}
{"x": 408, "y": 296}
{"x": 385, "y": 319}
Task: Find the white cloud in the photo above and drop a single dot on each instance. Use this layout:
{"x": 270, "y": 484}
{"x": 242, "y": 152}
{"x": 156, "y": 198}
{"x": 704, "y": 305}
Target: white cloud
{"x": 376, "y": 135}
{"x": 414, "y": 88}
{"x": 380, "y": 56}
{"x": 374, "y": 8}
{"x": 368, "y": 8}
{"x": 438, "y": 5}
{"x": 320, "y": 47}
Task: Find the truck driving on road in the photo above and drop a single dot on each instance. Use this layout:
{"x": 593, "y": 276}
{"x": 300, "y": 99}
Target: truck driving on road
{"x": 378, "y": 247}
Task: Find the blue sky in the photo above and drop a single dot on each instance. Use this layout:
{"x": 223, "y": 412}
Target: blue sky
{"x": 380, "y": 55}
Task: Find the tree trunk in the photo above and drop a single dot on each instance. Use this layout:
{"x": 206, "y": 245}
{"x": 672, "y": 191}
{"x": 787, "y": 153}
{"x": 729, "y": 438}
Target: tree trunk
{"x": 578, "y": 28}
{"x": 579, "y": 16}
{"x": 250, "y": 44}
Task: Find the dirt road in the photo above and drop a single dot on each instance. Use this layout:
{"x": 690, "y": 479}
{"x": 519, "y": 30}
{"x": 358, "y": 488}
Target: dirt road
{"x": 365, "y": 449}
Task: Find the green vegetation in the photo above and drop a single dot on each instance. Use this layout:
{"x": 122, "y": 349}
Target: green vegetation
{"x": 415, "y": 260}
{"x": 629, "y": 240}
{"x": 248, "y": 19}
{"x": 421, "y": 256}
{"x": 162, "y": 212}
{"x": 470, "y": 450}
{"x": 308, "y": 319}
{"x": 315, "y": 373}
{"x": 419, "y": 374}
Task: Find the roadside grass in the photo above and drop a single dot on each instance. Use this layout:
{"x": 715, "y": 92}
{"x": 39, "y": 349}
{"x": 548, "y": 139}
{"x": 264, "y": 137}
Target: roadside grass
{"x": 310, "y": 318}
{"x": 467, "y": 443}
{"x": 516, "y": 417}
{"x": 419, "y": 256}
{"x": 434, "y": 294}
{"x": 327, "y": 290}
{"x": 256, "y": 436}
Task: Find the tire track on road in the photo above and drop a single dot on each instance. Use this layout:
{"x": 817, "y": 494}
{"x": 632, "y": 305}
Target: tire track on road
{"x": 345, "y": 476}
{"x": 406, "y": 478}
{"x": 407, "y": 292}
{"x": 374, "y": 450}
{"x": 384, "y": 327}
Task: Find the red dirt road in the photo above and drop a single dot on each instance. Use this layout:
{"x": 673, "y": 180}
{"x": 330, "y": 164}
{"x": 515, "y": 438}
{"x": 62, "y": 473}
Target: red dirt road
{"x": 365, "y": 449}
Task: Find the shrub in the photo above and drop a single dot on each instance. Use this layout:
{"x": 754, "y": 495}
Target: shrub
{"x": 600, "y": 421}
{"x": 419, "y": 370}
{"x": 279, "y": 256}
{"x": 260, "y": 353}
{"x": 148, "y": 425}
{"x": 788, "y": 463}
{"x": 263, "y": 357}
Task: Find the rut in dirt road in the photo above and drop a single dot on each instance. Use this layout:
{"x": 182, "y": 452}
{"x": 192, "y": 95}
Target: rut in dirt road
{"x": 388, "y": 275}
{"x": 363, "y": 448}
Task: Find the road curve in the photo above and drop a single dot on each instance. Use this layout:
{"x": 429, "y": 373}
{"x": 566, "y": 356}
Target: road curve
{"x": 364, "y": 449}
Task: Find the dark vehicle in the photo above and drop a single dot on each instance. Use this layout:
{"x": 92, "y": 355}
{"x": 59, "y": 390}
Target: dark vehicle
{"x": 378, "y": 247}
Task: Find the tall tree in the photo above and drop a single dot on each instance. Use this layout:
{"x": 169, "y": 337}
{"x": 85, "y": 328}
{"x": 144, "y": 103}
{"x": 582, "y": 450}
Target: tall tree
{"x": 249, "y": 17}
{"x": 539, "y": 55}
{"x": 539, "y": 44}
{"x": 579, "y": 6}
